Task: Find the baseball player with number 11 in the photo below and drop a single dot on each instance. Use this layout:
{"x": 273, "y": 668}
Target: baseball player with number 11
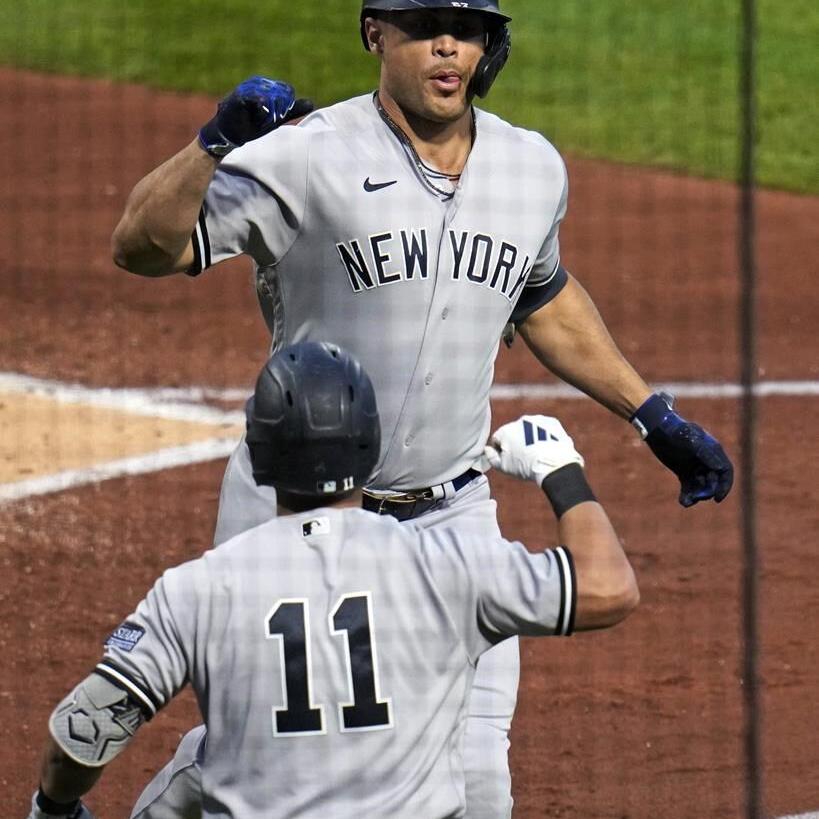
{"x": 332, "y": 651}
{"x": 410, "y": 227}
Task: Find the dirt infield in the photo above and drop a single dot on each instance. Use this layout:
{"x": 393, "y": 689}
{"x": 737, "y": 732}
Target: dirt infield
{"x": 644, "y": 721}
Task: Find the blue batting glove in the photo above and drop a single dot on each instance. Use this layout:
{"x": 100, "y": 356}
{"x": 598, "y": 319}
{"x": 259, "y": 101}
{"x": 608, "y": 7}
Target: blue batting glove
{"x": 253, "y": 109}
{"x": 693, "y": 455}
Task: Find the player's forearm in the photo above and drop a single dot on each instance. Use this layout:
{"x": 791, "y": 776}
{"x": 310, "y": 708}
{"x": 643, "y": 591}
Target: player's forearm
{"x": 568, "y": 336}
{"x": 155, "y": 229}
{"x": 537, "y": 448}
{"x": 62, "y": 779}
{"x": 606, "y": 586}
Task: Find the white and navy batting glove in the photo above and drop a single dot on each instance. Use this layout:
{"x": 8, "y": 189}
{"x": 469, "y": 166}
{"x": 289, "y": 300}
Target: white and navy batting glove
{"x": 44, "y": 808}
{"x": 531, "y": 448}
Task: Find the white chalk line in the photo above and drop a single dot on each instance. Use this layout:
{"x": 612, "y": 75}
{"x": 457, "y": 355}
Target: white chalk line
{"x": 171, "y": 404}
{"x": 683, "y": 389}
{"x": 186, "y": 404}
{"x": 169, "y": 458}
{"x": 814, "y": 815}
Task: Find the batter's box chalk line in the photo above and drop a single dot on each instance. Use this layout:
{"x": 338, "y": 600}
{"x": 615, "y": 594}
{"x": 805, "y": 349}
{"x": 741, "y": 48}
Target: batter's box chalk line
{"x": 189, "y": 404}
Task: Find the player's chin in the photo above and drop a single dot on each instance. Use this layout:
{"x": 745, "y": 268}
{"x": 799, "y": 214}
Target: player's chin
{"x": 447, "y": 108}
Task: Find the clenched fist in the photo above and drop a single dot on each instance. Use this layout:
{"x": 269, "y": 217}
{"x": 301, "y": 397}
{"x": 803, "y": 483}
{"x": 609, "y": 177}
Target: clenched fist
{"x": 531, "y": 448}
{"x": 254, "y": 108}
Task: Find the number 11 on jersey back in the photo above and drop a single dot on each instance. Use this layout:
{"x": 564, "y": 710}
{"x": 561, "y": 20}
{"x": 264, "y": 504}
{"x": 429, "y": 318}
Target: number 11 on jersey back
{"x": 288, "y": 621}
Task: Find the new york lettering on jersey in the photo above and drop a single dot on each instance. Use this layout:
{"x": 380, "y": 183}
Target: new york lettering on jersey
{"x": 339, "y": 193}
{"x": 386, "y": 258}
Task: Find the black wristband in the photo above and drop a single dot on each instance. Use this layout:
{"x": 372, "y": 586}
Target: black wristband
{"x": 49, "y": 806}
{"x": 566, "y": 487}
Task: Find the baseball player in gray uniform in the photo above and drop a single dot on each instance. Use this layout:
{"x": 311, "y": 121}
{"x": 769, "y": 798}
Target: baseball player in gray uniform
{"x": 410, "y": 227}
{"x": 332, "y": 650}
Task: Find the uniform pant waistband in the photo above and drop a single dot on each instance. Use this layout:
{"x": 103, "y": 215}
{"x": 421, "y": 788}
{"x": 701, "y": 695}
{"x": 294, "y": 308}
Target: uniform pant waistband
{"x": 407, "y": 505}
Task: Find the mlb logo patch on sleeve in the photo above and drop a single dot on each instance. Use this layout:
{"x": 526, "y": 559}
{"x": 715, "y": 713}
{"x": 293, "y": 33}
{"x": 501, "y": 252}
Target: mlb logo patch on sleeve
{"x": 317, "y": 526}
{"x": 125, "y": 637}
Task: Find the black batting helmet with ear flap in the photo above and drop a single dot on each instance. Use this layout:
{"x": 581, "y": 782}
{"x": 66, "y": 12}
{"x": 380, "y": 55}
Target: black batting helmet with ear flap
{"x": 312, "y": 423}
{"x": 499, "y": 41}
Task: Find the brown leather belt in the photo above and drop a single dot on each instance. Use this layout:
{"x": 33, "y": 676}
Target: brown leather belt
{"x": 408, "y": 505}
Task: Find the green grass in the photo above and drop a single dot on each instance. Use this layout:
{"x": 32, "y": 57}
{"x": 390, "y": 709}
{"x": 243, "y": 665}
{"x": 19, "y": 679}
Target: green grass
{"x": 645, "y": 81}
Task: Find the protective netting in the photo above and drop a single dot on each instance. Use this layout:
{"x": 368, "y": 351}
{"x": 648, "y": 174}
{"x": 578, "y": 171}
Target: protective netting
{"x": 689, "y": 134}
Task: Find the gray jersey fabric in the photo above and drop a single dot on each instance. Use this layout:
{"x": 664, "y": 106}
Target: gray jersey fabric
{"x": 332, "y": 655}
{"x": 352, "y": 246}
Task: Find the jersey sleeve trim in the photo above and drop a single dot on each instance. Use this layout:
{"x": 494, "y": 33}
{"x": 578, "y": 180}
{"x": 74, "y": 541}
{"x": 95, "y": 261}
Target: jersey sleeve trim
{"x": 148, "y": 702}
{"x": 568, "y": 590}
{"x": 534, "y": 297}
{"x": 201, "y": 245}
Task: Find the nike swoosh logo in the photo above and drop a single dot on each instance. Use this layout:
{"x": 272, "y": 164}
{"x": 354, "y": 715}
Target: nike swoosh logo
{"x": 376, "y": 186}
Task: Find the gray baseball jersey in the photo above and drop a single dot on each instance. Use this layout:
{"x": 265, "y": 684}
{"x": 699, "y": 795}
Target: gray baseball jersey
{"x": 332, "y": 654}
{"x": 353, "y": 244}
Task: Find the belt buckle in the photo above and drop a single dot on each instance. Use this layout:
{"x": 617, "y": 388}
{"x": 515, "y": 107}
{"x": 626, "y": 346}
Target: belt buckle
{"x": 402, "y": 506}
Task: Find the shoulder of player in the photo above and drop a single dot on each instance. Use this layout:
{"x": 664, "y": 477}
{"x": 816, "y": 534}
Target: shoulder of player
{"x": 353, "y": 113}
{"x": 218, "y": 566}
{"x": 353, "y": 116}
{"x": 452, "y": 544}
{"x": 384, "y": 524}
{"x": 471, "y": 550}
{"x": 214, "y": 559}
{"x": 287, "y": 531}
{"x": 401, "y": 540}
{"x": 533, "y": 144}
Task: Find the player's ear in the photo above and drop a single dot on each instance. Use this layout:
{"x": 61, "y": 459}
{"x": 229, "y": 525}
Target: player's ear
{"x": 375, "y": 35}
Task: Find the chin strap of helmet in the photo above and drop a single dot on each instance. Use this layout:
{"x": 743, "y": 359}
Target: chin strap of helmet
{"x": 489, "y": 66}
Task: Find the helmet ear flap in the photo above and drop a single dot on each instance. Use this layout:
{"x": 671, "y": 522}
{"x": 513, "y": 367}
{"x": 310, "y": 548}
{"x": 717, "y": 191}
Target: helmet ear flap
{"x": 493, "y": 60}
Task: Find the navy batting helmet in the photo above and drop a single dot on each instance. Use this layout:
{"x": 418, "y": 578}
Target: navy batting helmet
{"x": 312, "y": 423}
{"x": 499, "y": 41}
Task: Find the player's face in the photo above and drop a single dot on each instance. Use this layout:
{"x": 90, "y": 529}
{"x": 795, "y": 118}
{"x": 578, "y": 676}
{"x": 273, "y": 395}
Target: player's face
{"x": 428, "y": 59}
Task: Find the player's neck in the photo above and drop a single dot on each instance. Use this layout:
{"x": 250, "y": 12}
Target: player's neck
{"x": 290, "y": 504}
{"x": 444, "y": 145}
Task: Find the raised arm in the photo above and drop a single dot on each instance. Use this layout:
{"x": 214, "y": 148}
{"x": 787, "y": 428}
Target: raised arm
{"x": 537, "y": 448}
{"x": 153, "y": 237}
{"x": 568, "y": 336}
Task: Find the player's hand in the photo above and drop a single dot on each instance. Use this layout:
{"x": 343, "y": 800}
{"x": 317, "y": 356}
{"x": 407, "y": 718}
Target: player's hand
{"x": 254, "y": 108}
{"x": 37, "y": 812}
{"x": 694, "y": 456}
{"x": 531, "y": 448}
